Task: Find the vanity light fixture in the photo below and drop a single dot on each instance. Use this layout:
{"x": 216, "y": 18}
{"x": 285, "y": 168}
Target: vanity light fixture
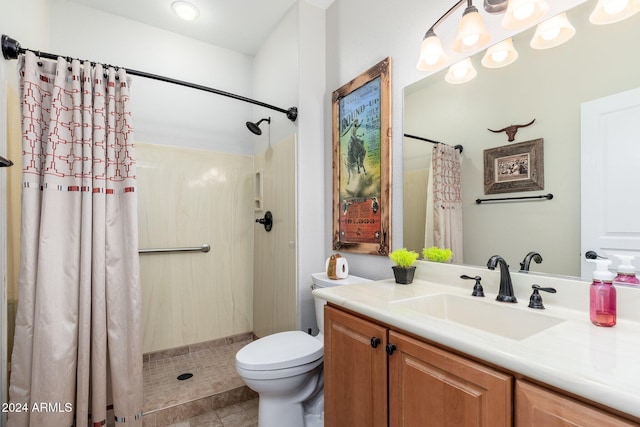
{"x": 185, "y": 10}
{"x": 518, "y": 14}
{"x": 610, "y": 11}
{"x": 523, "y": 13}
{"x": 472, "y": 34}
{"x": 553, "y": 32}
{"x": 461, "y": 72}
{"x": 500, "y": 54}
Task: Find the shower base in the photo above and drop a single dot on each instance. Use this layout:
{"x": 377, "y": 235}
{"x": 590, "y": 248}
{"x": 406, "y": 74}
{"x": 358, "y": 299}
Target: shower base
{"x": 214, "y": 383}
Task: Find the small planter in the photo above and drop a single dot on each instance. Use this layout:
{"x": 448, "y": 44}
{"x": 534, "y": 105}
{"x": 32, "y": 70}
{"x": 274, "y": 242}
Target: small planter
{"x": 404, "y": 275}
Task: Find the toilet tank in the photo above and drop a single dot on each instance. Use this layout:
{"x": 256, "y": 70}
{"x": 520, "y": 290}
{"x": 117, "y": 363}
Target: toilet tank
{"x": 321, "y": 280}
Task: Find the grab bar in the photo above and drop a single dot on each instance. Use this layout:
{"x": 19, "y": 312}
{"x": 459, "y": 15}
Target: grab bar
{"x": 204, "y": 248}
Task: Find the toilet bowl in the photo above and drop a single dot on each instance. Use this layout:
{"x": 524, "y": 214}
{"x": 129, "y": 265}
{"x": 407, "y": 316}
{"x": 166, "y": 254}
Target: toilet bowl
{"x": 285, "y": 369}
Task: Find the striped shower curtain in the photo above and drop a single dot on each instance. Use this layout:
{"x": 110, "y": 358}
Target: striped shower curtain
{"x": 78, "y": 337}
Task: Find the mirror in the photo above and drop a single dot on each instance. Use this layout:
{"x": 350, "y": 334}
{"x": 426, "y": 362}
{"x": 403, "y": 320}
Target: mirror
{"x": 546, "y": 85}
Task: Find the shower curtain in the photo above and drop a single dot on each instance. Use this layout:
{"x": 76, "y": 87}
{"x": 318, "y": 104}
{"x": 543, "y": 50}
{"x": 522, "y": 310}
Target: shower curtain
{"x": 444, "y": 202}
{"x": 78, "y": 338}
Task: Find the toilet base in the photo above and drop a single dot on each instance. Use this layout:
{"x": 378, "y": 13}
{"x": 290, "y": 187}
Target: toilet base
{"x": 277, "y": 414}
{"x": 313, "y": 420}
{"x": 286, "y": 402}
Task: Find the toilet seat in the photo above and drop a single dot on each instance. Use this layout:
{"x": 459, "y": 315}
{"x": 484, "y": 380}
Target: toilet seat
{"x": 280, "y": 351}
{"x": 278, "y": 374}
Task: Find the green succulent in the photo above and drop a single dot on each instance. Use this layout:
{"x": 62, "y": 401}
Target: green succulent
{"x": 437, "y": 254}
{"x": 403, "y": 257}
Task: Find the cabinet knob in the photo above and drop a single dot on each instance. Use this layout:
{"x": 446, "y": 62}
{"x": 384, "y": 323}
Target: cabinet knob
{"x": 375, "y": 342}
{"x": 390, "y": 349}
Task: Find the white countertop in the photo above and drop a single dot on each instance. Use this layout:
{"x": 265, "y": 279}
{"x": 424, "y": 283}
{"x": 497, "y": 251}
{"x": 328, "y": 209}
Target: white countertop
{"x": 599, "y": 364}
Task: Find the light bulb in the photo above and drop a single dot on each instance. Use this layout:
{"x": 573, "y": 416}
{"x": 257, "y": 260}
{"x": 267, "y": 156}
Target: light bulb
{"x": 185, "y": 10}
{"x": 615, "y": 6}
{"x": 523, "y": 12}
{"x": 460, "y": 72}
{"x": 431, "y": 59}
{"x": 550, "y": 34}
{"x": 499, "y": 56}
{"x": 471, "y": 39}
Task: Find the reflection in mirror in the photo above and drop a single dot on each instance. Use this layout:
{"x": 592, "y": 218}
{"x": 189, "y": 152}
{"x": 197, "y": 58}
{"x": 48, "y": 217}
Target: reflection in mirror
{"x": 546, "y": 85}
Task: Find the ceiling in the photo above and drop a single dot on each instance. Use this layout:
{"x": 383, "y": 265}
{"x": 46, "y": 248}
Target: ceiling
{"x": 239, "y": 25}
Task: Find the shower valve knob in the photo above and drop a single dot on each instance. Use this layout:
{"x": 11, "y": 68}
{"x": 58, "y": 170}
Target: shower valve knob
{"x": 267, "y": 221}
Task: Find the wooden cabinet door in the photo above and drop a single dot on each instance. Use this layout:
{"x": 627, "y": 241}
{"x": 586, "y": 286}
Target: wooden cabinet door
{"x": 536, "y": 406}
{"x": 432, "y": 387}
{"x": 355, "y": 373}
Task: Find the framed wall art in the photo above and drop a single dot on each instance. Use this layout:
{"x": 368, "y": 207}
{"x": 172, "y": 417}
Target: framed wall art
{"x": 515, "y": 167}
{"x": 362, "y": 162}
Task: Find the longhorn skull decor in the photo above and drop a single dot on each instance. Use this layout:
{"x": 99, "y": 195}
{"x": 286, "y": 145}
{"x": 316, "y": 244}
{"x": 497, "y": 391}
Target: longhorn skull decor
{"x": 512, "y": 130}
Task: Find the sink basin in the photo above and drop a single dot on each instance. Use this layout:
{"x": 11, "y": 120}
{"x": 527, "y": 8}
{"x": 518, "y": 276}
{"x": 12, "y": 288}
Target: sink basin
{"x": 487, "y": 315}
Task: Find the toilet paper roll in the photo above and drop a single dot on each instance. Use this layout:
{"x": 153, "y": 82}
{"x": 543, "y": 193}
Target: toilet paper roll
{"x": 337, "y": 267}
{"x": 342, "y": 268}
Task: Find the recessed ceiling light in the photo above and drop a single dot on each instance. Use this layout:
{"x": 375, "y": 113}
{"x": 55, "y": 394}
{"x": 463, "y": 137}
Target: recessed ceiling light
{"x": 185, "y": 10}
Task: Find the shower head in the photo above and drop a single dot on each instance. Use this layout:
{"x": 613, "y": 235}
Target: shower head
{"x": 255, "y": 127}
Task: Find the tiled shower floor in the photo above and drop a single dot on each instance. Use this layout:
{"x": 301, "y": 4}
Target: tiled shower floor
{"x": 214, "y": 396}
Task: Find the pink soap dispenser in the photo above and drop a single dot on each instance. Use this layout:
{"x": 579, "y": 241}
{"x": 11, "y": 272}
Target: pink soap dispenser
{"x": 602, "y": 295}
{"x": 626, "y": 272}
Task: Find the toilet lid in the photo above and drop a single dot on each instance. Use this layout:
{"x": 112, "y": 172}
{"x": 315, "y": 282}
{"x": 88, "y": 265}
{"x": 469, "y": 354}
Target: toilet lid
{"x": 279, "y": 351}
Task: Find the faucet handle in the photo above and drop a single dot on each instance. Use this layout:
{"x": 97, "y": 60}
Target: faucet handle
{"x": 535, "y": 301}
{"x": 477, "y": 288}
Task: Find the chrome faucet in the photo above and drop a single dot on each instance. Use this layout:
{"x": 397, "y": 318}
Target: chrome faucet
{"x": 535, "y": 256}
{"x": 505, "y": 294}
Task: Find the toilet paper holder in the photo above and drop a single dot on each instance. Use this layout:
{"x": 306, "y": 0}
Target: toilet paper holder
{"x": 267, "y": 221}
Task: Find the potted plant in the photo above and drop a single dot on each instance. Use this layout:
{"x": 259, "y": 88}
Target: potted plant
{"x": 404, "y": 268}
{"x": 437, "y": 254}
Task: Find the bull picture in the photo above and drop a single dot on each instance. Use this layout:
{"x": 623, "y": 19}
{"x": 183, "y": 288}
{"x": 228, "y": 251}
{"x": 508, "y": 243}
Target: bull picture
{"x": 355, "y": 152}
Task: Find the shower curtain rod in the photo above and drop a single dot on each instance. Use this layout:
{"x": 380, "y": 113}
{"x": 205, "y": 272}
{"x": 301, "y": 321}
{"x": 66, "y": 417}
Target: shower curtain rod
{"x": 11, "y": 49}
{"x": 457, "y": 147}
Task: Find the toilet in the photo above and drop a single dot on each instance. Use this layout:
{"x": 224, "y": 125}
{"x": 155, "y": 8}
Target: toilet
{"x": 285, "y": 369}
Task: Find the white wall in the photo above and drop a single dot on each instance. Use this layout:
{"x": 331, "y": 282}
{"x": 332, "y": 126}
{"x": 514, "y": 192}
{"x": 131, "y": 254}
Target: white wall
{"x": 164, "y": 113}
{"x": 290, "y": 70}
{"x": 360, "y": 33}
{"x": 311, "y": 145}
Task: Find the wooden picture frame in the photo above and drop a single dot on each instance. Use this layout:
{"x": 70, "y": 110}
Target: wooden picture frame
{"x": 362, "y": 162}
{"x": 515, "y": 167}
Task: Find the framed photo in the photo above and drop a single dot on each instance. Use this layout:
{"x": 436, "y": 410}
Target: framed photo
{"x": 515, "y": 167}
{"x": 362, "y": 163}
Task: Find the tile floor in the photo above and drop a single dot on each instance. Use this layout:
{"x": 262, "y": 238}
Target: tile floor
{"x": 215, "y": 396}
{"x": 244, "y": 414}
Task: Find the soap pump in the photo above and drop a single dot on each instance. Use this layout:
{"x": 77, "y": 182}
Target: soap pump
{"x": 626, "y": 272}
{"x": 602, "y": 295}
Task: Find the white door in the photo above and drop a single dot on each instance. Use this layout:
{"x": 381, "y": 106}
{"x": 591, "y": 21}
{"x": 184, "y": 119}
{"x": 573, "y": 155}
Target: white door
{"x": 610, "y": 176}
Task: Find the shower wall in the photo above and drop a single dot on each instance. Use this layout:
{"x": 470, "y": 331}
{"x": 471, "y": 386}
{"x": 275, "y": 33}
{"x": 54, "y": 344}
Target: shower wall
{"x": 186, "y": 198}
{"x": 275, "y": 285}
{"x": 415, "y": 208}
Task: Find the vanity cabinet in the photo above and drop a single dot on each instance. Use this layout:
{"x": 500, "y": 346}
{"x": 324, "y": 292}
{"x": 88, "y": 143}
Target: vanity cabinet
{"x": 355, "y": 366}
{"x": 429, "y": 386}
{"x": 537, "y": 406}
{"x": 377, "y": 377}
